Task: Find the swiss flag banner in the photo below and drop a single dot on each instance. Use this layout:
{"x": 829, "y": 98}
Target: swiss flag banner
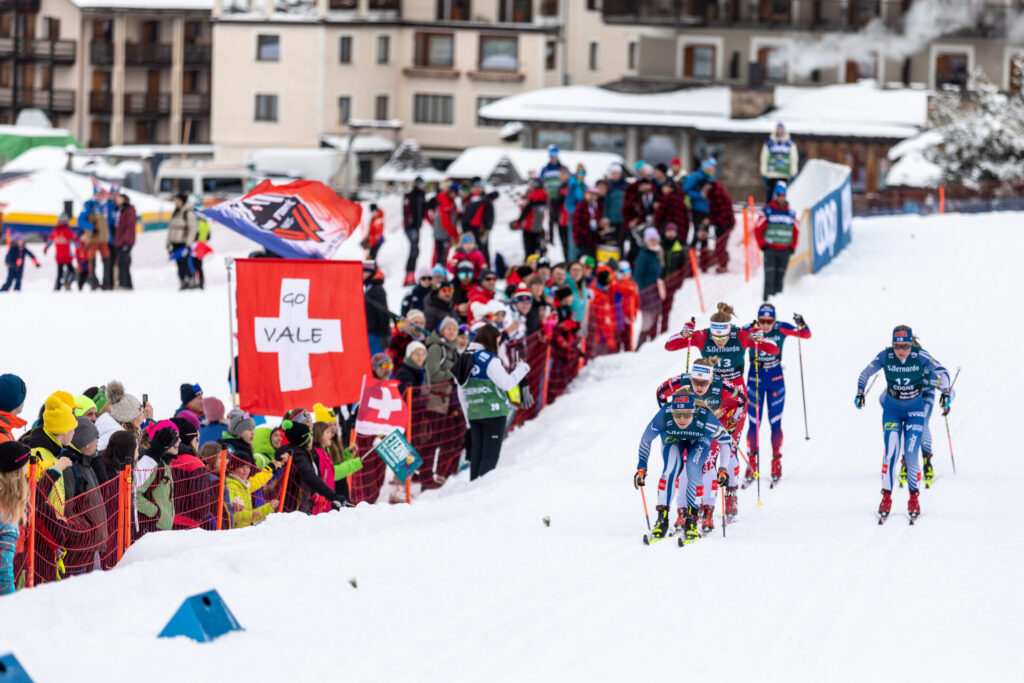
{"x": 381, "y": 409}
{"x": 301, "y": 334}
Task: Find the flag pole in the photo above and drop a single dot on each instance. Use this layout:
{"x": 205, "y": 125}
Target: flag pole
{"x": 229, "y": 261}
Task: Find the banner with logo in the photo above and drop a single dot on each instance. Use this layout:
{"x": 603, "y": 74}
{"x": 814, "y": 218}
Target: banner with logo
{"x": 301, "y": 334}
{"x": 399, "y": 455}
{"x": 831, "y": 220}
{"x": 381, "y": 409}
{"x": 300, "y": 220}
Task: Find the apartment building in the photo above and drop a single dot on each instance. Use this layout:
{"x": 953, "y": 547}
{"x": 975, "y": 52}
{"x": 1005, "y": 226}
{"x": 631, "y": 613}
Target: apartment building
{"x": 111, "y": 71}
{"x": 288, "y": 73}
{"x": 820, "y": 42}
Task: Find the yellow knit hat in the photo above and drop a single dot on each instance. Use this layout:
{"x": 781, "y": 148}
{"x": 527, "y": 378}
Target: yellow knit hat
{"x": 57, "y": 415}
{"x": 323, "y": 414}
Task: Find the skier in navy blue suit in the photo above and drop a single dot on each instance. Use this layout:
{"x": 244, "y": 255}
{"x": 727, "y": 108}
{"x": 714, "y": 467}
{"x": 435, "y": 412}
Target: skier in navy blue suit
{"x": 907, "y": 373}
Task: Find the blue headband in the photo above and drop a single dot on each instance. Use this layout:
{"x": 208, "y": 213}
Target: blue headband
{"x": 683, "y": 402}
{"x": 902, "y": 336}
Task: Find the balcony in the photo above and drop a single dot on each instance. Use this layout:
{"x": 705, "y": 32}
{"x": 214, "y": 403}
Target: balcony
{"x": 135, "y": 54}
{"x": 195, "y": 104}
{"x": 55, "y": 51}
{"x": 29, "y": 6}
{"x": 50, "y": 101}
{"x": 385, "y": 9}
{"x": 198, "y": 54}
{"x": 135, "y": 103}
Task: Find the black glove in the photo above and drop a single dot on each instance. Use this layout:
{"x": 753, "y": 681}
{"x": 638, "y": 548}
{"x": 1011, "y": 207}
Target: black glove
{"x": 944, "y": 402}
{"x": 639, "y": 478}
{"x": 799, "y": 320}
{"x": 723, "y": 477}
{"x": 337, "y": 503}
{"x": 859, "y": 401}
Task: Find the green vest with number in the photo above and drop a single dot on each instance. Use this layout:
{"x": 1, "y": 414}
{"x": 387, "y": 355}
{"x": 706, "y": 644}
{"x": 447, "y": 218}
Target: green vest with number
{"x": 483, "y": 398}
{"x": 905, "y": 380}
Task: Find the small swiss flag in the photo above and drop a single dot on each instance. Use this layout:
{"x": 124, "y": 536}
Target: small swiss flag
{"x": 381, "y": 409}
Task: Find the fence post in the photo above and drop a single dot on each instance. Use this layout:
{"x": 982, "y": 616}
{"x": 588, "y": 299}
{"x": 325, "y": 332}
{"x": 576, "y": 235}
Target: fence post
{"x": 696, "y": 278}
{"x": 408, "y": 434}
{"x": 284, "y": 485}
{"x": 129, "y": 499}
{"x": 544, "y": 382}
{"x": 120, "y": 516}
{"x": 220, "y": 488}
{"x": 942, "y": 199}
{"x": 30, "y": 526}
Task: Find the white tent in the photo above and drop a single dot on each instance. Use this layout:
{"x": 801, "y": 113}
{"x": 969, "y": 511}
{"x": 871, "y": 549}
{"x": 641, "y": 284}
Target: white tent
{"x": 33, "y": 201}
{"x": 480, "y": 162}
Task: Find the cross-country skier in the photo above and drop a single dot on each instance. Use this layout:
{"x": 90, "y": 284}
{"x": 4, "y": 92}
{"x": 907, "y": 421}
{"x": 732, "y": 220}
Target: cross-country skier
{"x": 907, "y": 372}
{"x": 926, "y": 433}
{"x": 687, "y": 428}
{"x": 766, "y": 385}
{"x": 727, "y": 405}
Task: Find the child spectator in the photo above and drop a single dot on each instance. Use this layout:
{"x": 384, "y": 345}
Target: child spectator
{"x": 122, "y": 450}
{"x": 628, "y": 301}
{"x": 213, "y": 408}
{"x": 375, "y": 232}
{"x": 240, "y": 487}
{"x": 15, "y": 261}
{"x": 154, "y": 498}
{"x": 14, "y": 490}
{"x": 306, "y": 468}
{"x": 62, "y": 239}
{"x": 240, "y": 434}
{"x": 468, "y": 253}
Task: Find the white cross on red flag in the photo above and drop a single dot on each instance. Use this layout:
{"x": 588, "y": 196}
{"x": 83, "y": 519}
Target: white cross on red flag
{"x": 381, "y": 409}
{"x": 301, "y": 334}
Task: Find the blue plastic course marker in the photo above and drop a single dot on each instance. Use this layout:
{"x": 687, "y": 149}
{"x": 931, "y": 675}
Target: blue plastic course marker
{"x": 11, "y": 670}
{"x": 201, "y": 617}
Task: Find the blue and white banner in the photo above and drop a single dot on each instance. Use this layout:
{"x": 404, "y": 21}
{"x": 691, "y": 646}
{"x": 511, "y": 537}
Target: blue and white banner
{"x": 831, "y": 225}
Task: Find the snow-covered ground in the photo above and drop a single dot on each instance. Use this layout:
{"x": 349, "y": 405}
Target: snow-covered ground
{"x": 468, "y": 584}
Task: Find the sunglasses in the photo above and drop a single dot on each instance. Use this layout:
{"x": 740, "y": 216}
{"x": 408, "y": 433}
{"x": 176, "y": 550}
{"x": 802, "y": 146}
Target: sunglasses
{"x": 449, "y": 290}
{"x": 386, "y": 365}
{"x": 490, "y": 279}
{"x": 901, "y": 345}
{"x": 465, "y": 273}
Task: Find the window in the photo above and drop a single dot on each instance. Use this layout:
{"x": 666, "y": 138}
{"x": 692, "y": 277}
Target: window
{"x": 433, "y": 108}
{"x": 951, "y": 69}
{"x": 268, "y": 48}
{"x": 562, "y": 139}
{"x": 266, "y": 108}
{"x": 550, "y": 56}
{"x": 774, "y": 11}
{"x": 453, "y": 10}
{"x": 343, "y": 4}
{"x": 600, "y": 141}
{"x": 175, "y": 185}
{"x": 51, "y": 28}
{"x": 223, "y": 185}
{"x": 499, "y": 53}
{"x": 858, "y": 69}
{"x": 483, "y": 102}
{"x": 435, "y": 50}
{"x": 774, "y": 60}
{"x": 699, "y": 61}
{"x": 594, "y": 5}
{"x": 631, "y": 50}
{"x": 863, "y": 11}
{"x": 516, "y": 11}
{"x": 383, "y": 49}
{"x": 381, "y": 107}
{"x": 344, "y": 108}
{"x": 345, "y": 50}
{"x": 592, "y": 55}
{"x": 1016, "y": 79}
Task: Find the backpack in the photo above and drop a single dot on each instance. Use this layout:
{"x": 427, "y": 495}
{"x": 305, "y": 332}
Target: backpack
{"x": 463, "y": 368}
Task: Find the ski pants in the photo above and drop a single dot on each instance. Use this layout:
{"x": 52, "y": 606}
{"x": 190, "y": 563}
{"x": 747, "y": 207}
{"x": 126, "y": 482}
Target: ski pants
{"x": 682, "y": 476}
{"x": 775, "y": 263}
{"x": 722, "y": 455}
{"x": 485, "y": 444}
{"x": 414, "y": 249}
{"x": 902, "y": 419}
{"x": 770, "y": 388}
{"x": 13, "y": 278}
{"x": 926, "y": 432}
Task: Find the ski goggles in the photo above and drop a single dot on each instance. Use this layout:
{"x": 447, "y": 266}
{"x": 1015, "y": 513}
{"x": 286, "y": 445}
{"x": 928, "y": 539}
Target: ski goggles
{"x": 683, "y": 403}
{"x": 720, "y": 329}
{"x": 386, "y": 365}
{"x": 522, "y": 298}
{"x": 902, "y": 336}
{"x": 701, "y": 373}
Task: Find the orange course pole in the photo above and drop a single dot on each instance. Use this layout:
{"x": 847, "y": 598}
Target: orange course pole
{"x": 120, "y": 516}
{"x": 126, "y": 532}
{"x": 942, "y": 199}
{"x": 30, "y": 526}
{"x": 220, "y": 488}
{"x": 696, "y": 278}
{"x": 283, "y": 490}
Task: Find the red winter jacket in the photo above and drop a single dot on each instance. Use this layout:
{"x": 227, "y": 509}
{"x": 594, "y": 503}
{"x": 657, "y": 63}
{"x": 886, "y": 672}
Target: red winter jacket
{"x": 535, "y": 202}
{"x": 672, "y": 209}
{"x": 474, "y": 257}
{"x": 477, "y": 293}
{"x": 446, "y": 208}
{"x": 720, "y": 211}
{"x": 61, "y": 238}
{"x": 124, "y": 232}
{"x": 586, "y": 224}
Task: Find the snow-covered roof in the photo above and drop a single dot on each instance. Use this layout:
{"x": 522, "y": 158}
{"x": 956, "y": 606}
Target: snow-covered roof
{"x": 406, "y": 164}
{"x": 34, "y": 132}
{"x": 365, "y": 144}
{"x": 55, "y": 159}
{"x": 39, "y": 197}
{"x": 857, "y": 109}
{"x": 201, "y": 5}
{"x": 480, "y": 161}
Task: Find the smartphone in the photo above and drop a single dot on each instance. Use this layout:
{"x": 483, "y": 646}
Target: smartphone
{"x": 145, "y": 399}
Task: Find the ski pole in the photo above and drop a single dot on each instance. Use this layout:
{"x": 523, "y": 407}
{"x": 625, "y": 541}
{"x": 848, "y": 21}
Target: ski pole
{"x": 757, "y": 424}
{"x": 867, "y": 389}
{"x": 945, "y": 417}
{"x": 803, "y": 393}
{"x": 721, "y": 490}
{"x": 647, "y": 517}
{"x": 693, "y": 320}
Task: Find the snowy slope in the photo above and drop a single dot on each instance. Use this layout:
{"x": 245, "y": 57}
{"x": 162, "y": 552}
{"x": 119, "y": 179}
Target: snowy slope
{"x": 467, "y": 584}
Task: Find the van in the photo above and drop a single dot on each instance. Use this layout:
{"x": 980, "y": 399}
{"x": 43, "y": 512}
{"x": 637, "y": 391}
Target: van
{"x": 211, "y": 181}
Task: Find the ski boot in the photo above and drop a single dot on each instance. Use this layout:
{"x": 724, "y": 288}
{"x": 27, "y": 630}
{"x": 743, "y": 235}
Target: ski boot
{"x": 691, "y": 533}
{"x": 885, "y": 506}
{"x": 731, "y": 507}
{"x": 776, "y": 468}
{"x": 929, "y": 471}
{"x": 751, "y": 473}
{"x": 661, "y": 526}
{"x": 913, "y": 506}
{"x": 680, "y": 520}
{"x": 903, "y": 472}
{"x": 707, "y": 519}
